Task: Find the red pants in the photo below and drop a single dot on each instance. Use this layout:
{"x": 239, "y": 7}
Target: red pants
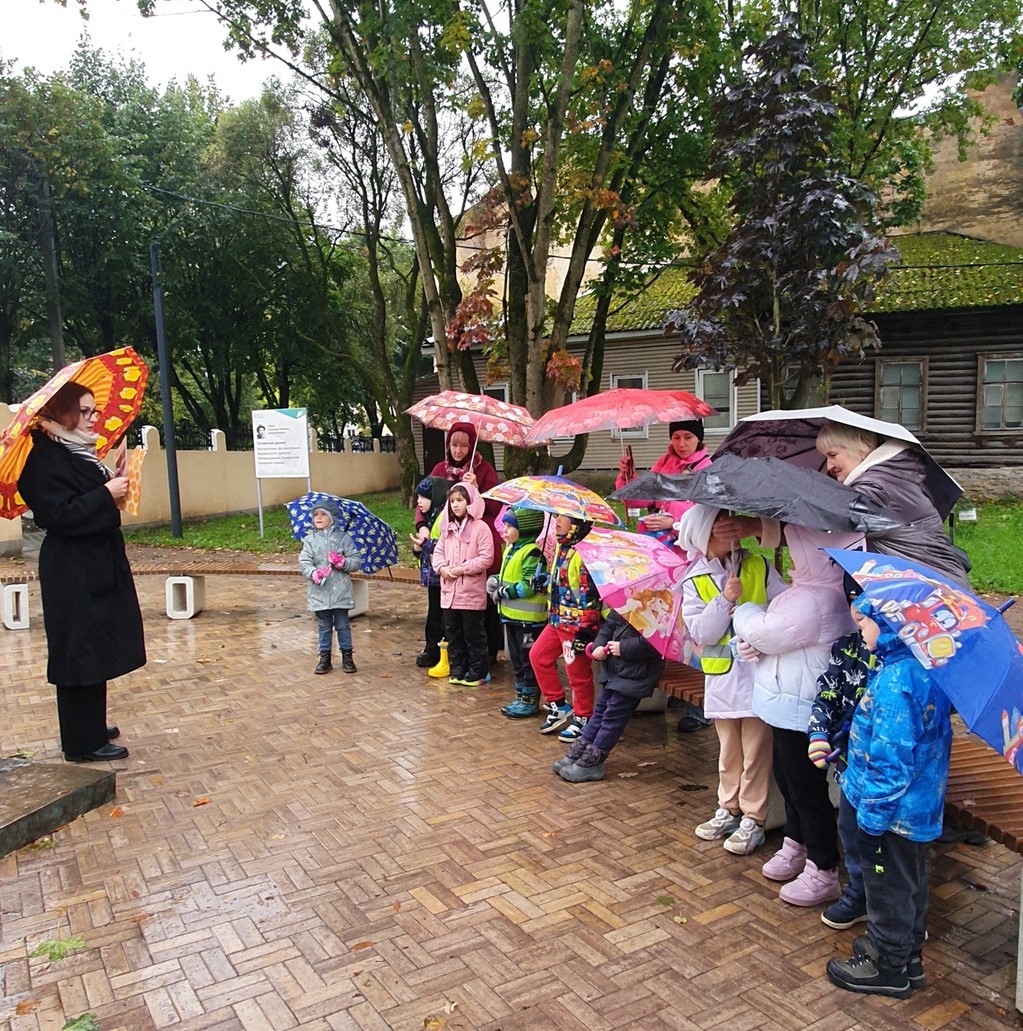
{"x": 543, "y": 657}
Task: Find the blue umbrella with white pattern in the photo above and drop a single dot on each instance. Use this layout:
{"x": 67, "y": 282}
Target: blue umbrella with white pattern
{"x": 376, "y": 541}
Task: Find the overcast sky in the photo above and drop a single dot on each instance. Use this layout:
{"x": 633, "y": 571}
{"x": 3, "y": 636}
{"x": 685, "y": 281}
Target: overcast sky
{"x": 182, "y": 38}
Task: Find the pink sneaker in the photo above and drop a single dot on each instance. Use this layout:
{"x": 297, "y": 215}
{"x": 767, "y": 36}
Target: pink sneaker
{"x": 786, "y": 863}
{"x": 812, "y": 887}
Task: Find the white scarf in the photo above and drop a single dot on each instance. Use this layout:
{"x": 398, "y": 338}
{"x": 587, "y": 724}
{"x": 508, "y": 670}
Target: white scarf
{"x": 78, "y": 442}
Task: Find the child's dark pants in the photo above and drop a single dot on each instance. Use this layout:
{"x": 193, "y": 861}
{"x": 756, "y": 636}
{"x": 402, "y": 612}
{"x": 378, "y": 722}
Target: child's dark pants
{"x": 895, "y": 876}
{"x": 467, "y": 641}
{"x": 610, "y": 716}
{"x": 434, "y": 622}
{"x": 520, "y": 642}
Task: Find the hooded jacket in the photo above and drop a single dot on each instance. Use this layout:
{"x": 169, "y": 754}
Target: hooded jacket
{"x": 672, "y": 465}
{"x": 335, "y": 592}
{"x": 438, "y": 499}
{"x": 795, "y": 632}
{"x": 893, "y": 474}
{"x": 469, "y": 544}
{"x": 899, "y": 746}
{"x": 637, "y": 669}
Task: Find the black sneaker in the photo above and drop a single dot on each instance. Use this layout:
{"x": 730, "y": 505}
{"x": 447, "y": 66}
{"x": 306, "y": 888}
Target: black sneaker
{"x": 863, "y": 946}
{"x": 861, "y": 974}
{"x": 844, "y": 912}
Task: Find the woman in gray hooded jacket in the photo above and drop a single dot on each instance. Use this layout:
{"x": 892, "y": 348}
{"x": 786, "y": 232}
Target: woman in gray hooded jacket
{"x": 328, "y": 556}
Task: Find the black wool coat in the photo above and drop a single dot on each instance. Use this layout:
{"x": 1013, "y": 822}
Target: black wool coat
{"x": 640, "y": 666}
{"x": 90, "y": 608}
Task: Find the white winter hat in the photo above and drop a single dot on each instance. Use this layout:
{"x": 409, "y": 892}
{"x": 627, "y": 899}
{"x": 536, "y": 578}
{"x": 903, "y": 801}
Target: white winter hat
{"x": 695, "y": 526}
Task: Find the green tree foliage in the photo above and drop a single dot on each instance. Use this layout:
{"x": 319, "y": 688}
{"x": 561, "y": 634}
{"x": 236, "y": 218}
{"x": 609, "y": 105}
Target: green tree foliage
{"x": 781, "y": 298}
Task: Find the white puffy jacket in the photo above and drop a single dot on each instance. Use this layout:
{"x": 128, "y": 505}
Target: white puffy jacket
{"x": 795, "y": 632}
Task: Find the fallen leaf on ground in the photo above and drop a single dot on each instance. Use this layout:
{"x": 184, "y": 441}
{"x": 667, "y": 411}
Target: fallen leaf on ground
{"x": 680, "y": 919}
{"x": 626, "y": 776}
{"x": 116, "y": 812}
{"x": 434, "y": 1023}
{"x": 397, "y": 907}
{"x": 641, "y": 765}
{"x": 362, "y": 945}
{"x": 201, "y": 801}
{"x": 141, "y": 917}
{"x": 27, "y": 1006}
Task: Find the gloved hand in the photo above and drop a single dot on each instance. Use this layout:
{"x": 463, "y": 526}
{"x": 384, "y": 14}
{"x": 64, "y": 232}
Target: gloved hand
{"x": 746, "y": 651}
{"x": 818, "y": 750}
{"x": 336, "y": 559}
{"x": 540, "y": 580}
{"x": 582, "y": 639}
{"x": 321, "y": 574}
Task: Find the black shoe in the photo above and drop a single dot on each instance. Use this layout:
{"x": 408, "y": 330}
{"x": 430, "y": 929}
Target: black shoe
{"x": 424, "y": 660}
{"x": 323, "y": 666}
{"x": 348, "y": 663}
{"x": 863, "y": 946}
{"x": 861, "y": 974}
{"x": 113, "y": 732}
{"x": 101, "y": 755}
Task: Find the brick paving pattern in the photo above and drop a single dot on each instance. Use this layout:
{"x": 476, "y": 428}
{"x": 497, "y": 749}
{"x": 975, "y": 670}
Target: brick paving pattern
{"x": 383, "y": 851}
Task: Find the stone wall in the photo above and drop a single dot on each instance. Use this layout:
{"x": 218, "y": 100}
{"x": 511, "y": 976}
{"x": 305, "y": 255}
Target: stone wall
{"x": 983, "y": 195}
{"x": 990, "y": 484}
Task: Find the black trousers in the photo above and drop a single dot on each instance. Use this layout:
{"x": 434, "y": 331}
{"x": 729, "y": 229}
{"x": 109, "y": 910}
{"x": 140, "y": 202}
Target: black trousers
{"x": 495, "y": 630}
{"x": 82, "y": 712}
{"x": 895, "y": 878}
{"x": 434, "y": 622}
{"x": 809, "y": 814}
{"x": 467, "y": 642}
{"x": 520, "y": 642}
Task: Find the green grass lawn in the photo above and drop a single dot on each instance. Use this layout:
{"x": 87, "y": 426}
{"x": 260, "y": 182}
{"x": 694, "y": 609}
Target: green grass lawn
{"x": 994, "y": 541}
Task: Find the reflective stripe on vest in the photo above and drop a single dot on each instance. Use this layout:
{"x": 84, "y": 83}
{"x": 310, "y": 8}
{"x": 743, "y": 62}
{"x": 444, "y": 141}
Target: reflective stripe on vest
{"x": 521, "y": 610}
{"x": 716, "y": 659}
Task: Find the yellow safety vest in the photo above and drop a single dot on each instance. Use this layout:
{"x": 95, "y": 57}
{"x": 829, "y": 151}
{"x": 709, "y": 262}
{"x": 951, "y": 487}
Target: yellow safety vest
{"x": 521, "y": 610}
{"x": 716, "y": 659}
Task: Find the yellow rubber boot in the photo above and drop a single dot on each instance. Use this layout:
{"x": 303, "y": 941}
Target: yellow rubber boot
{"x": 442, "y": 669}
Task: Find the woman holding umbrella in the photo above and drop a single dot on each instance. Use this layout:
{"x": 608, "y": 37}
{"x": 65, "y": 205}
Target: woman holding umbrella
{"x": 90, "y": 608}
{"x": 464, "y": 464}
{"x": 685, "y": 454}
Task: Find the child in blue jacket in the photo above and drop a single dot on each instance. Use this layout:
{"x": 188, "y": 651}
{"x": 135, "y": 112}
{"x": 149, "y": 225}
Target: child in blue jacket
{"x": 899, "y": 747}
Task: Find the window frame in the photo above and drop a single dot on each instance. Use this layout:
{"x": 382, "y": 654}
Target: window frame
{"x": 982, "y": 360}
{"x": 733, "y": 407}
{"x": 924, "y": 363}
{"x": 638, "y": 432}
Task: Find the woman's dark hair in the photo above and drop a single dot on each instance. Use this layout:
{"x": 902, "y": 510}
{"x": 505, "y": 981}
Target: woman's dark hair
{"x": 65, "y": 406}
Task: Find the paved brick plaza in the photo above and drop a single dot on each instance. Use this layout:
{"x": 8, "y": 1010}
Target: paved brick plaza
{"x": 382, "y": 851}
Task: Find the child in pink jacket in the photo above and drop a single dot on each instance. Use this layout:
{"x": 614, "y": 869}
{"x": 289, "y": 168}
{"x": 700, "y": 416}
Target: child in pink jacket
{"x": 464, "y": 553}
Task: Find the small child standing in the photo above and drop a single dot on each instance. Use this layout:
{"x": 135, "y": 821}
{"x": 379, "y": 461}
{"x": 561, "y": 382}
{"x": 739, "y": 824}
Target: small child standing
{"x": 523, "y": 609}
{"x": 631, "y": 667}
{"x": 431, "y": 496}
{"x": 899, "y": 748}
{"x": 462, "y": 556}
{"x": 572, "y": 623}
{"x": 328, "y": 555}
{"x": 841, "y": 687}
{"x": 712, "y": 589}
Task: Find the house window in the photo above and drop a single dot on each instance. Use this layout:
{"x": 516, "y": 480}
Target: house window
{"x": 569, "y": 397}
{"x": 901, "y": 392}
{"x": 633, "y": 381}
{"x": 498, "y": 391}
{"x": 718, "y": 390}
{"x": 1001, "y": 393}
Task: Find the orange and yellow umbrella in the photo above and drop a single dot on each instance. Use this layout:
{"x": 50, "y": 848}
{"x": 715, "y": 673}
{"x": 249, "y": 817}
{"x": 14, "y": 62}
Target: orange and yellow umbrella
{"x": 116, "y": 380}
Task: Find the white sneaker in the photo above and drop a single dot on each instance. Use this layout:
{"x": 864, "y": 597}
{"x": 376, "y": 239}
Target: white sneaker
{"x": 720, "y": 825}
{"x": 747, "y": 838}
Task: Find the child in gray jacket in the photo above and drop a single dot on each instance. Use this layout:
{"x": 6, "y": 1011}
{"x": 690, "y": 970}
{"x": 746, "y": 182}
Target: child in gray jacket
{"x": 328, "y": 555}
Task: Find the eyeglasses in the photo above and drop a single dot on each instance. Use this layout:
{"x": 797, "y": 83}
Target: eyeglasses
{"x": 88, "y": 413}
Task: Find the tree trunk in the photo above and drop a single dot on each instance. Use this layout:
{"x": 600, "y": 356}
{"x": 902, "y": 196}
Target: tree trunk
{"x": 49, "y": 250}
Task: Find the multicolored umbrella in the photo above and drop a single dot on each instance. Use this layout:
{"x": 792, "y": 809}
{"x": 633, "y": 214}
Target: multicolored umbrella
{"x": 964, "y": 644}
{"x": 792, "y": 437}
{"x": 621, "y": 408}
{"x": 376, "y": 541}
{"x": 641, "y": 578}
{"x": 555, "y": 494}
{"x": 496, "y": 421}
{"x": 116, "y": 380}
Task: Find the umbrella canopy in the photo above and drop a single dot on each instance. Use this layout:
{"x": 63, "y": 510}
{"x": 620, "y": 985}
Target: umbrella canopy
{"x": 115, "y": 379}
{"x": 375, "y": 540}
{"x": 792, "y": 436}
{"x": 621, "y": 408}
{"x": 641, "y": 578}
{"x": 555, "y": 494}
{"x": 496, "y": 421}
{"x": 964, "y": 644}
{"x": 767, "y": 487}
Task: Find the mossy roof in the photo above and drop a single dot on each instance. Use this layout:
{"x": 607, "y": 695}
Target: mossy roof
{"x": 938, "y": 270}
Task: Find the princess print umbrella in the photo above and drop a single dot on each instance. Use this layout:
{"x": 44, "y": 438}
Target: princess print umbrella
{"x": 376, "y": 541}
{"x": 555, "y": 494}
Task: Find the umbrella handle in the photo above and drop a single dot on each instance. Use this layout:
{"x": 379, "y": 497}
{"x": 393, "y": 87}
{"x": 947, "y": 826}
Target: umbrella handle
{"x": 1006, "y": 605}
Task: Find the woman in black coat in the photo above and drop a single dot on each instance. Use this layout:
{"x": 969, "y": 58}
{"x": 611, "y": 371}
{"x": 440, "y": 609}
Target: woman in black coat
{"x": 90, "y": 608}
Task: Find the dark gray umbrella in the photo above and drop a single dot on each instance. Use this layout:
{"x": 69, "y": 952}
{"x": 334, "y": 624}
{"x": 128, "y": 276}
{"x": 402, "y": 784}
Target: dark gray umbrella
{"x": 767, "y": 487}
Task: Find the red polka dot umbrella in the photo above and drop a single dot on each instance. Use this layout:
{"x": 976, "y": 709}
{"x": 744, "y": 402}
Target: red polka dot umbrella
{"x": 116, "y": 380}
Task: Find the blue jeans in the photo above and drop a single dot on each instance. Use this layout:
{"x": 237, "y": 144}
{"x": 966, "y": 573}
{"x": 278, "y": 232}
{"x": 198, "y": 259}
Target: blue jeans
{"x": 333, "y": 619}
{"x": 849, "y": 835}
